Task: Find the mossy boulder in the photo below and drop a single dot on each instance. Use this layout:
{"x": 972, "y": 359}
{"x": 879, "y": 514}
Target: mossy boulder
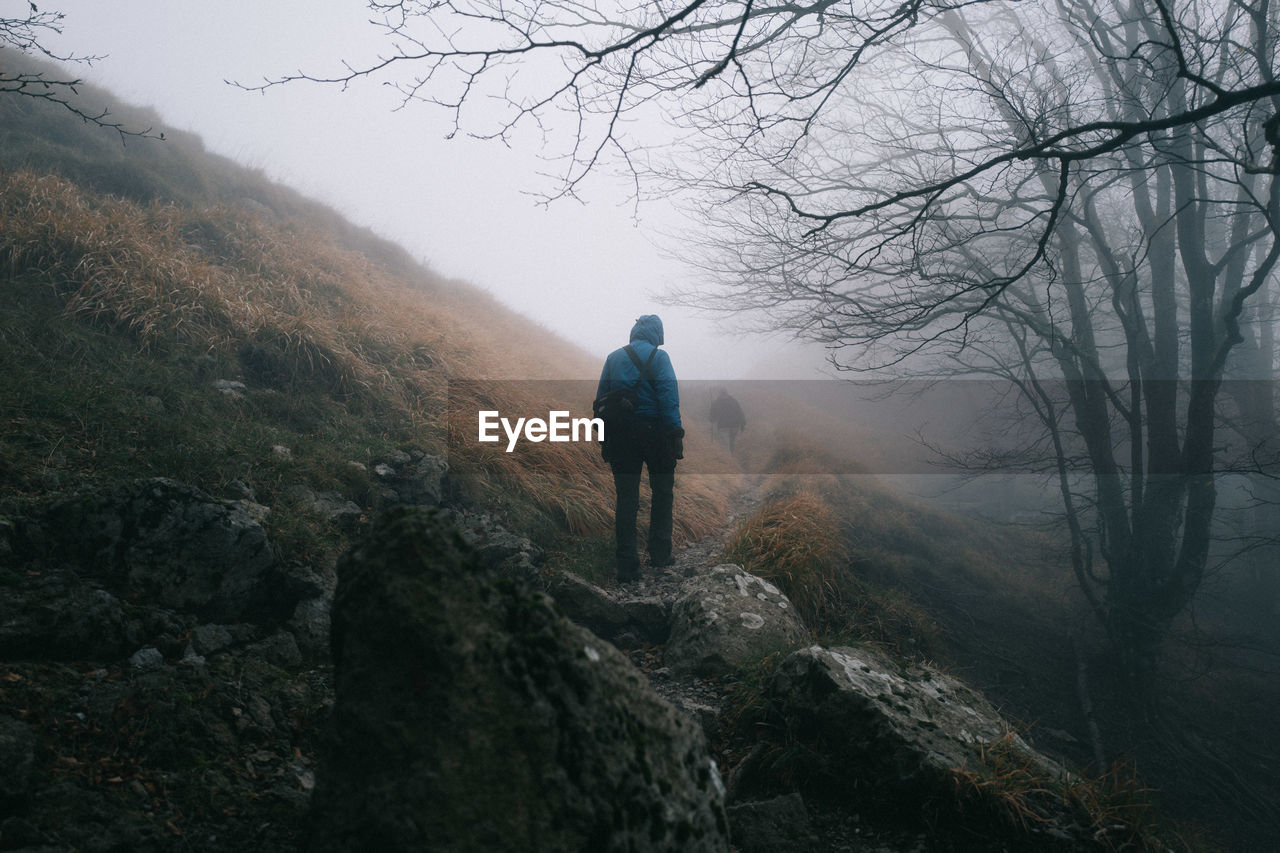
{"x": 472, "y": 716}
{"x": 728, "y": 619}
{"x": 164, "y": 543}
{"x": 922, "y": 745}
{"x": 899, "y": 721}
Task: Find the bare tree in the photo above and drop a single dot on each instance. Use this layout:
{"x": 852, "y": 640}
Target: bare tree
{"x": 1124, "y": 273}
{"x": 1089, "y": 189}
{"x": 29, "y": 34}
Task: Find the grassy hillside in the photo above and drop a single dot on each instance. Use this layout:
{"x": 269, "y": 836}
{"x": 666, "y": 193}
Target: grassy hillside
{"x": 169, "y": 313}
{"x": 138, "y": 275}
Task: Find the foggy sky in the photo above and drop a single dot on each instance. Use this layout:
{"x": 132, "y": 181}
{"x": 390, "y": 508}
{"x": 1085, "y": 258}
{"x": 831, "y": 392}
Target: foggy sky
{"x": 584, "y": 271}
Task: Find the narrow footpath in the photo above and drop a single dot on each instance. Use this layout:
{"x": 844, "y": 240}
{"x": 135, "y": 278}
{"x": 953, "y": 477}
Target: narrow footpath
{"x": 703, "y": 699}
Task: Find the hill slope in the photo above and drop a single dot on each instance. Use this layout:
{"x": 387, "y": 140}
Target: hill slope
{"x": 169, "y": 314}
{"x": 140, "y": 274}
{"x": 210, "y": 379}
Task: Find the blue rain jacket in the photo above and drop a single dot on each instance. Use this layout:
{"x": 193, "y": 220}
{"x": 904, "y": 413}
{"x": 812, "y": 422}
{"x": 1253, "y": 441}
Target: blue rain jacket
{"x": 621, "y": 372}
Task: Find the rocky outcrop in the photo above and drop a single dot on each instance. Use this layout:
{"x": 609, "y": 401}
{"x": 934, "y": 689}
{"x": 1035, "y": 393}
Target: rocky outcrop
{"x": 895, "y": 722}
{"x": 777, "y": 825}
{"x": 167, "y": 544}
{"x": 727, "y": 619}
{"x": 921, "y": 742}
{"x": 168, "y": 756}
{"x": 412, "y": 478}
{"x": 471, "y": 715}
{"x": 151, "y": 691}
{"x": 53, "y": 614}
{"x": 17, "y": 759}
{"x": 625, "y": 621}
{"x": 494, "y": 544}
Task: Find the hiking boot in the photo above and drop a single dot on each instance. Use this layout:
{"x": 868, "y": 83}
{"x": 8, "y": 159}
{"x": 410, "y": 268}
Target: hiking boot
{"x": 657, "y": 563}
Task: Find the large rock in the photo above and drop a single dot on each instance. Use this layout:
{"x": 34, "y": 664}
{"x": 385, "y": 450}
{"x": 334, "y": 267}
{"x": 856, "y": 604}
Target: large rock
{"x": 55, "y": 615}
{"x": 17, "y": 759}
{"x": 416, "y": 479}
{"x": 625, "y": 622}
{"x": 165, "y": 543}
{"x": 471, "y": 716}
{"x": 909, "y": 735}
{"x": 727, "y": 619}
{"x": 779, "y": 825}
{"x": 897, "y": 722}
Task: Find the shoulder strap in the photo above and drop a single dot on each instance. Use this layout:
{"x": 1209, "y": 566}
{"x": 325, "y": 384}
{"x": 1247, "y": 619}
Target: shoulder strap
{"x": 643, "y": 367}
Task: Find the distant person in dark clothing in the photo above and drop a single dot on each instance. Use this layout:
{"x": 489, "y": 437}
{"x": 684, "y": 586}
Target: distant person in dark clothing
{"x": 655, "y": 440}
{"x": 726, "y": 417}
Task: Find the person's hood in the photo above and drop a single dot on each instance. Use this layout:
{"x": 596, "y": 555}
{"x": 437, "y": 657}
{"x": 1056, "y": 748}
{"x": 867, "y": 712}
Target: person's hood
{"x": 648, "y": 328}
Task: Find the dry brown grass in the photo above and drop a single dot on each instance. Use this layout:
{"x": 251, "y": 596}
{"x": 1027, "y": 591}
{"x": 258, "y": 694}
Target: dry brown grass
{"x": 287, "y": 300}
{"x": 794, "y": 540}
{"x": 1116, "y": 809}
{"x": 799, "y": 540}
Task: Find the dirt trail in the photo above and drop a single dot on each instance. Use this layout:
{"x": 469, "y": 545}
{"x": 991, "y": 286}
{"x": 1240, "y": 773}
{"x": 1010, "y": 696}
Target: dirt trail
{"x": 829, "y": 829}
{"x": 703, "y": 699}
{"x": 695, "y": 557}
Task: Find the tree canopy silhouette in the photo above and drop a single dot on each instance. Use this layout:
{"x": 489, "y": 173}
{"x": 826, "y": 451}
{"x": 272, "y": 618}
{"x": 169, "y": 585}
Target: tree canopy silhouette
{"x": 1076, "y": 191}
{"x": 29, "y": 34}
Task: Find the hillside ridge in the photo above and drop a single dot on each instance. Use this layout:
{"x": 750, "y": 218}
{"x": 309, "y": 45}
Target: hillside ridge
{"x": 186, "y": 341}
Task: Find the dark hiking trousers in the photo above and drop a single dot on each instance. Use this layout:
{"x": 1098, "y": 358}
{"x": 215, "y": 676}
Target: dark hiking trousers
{"x": 647, "y": 448}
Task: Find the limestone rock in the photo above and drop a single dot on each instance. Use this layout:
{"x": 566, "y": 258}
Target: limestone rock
{"x": 165, "y": 543}
{"x": 333, "y": 507}
{"x": 906, "y": 735}
{"x": 726, "y": 619}
{"x": 495, "y": 545}
{"x": 232, "y": 388}
{"x": 417, "y": 479}
{"x": 426, "y": 481}
{"x": 279, "y": 649}
{"x": 17, "y": 759}
{"x": 310, "y": 627}
{"x": 779, "y": 825}
{"x": 622, "y": 621}
{"x": 649, "y": 617}
{"x": 471, "y": 716}
{"x": 207, "y": 639}
{"x": 587, "y": 604}
{"x": 55, "y": 615}
{"x": 146, "y": 658}
{"x": 898, "y": 722}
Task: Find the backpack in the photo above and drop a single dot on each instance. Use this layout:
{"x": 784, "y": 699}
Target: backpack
{"x": 618, "y": 407}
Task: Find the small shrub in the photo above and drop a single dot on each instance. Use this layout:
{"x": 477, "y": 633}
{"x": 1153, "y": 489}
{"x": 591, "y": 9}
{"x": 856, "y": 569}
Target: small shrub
{"x": 1116, "y": 810}
{"x": 794, "y": 541}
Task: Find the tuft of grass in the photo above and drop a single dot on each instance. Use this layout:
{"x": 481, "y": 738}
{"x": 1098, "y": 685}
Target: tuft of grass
{"x": 762, "y": 755}
{"x": 1116, "y": 810}
{"x": 800, "y": 539}
{"x": 794, "y": 541}
{"x": 1007, "y": 782}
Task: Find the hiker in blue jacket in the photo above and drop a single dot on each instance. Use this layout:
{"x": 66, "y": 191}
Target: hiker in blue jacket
{"x": 656, "y": 439}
